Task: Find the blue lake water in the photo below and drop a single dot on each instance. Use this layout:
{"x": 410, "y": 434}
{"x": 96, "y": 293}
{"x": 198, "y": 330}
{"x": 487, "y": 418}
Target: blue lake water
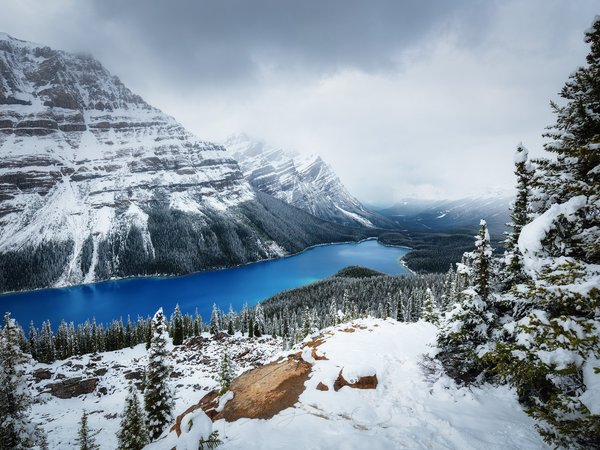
{"x": 250, "y": 284}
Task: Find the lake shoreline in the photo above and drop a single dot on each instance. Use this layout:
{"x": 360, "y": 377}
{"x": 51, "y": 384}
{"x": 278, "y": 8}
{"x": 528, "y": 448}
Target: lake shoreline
{"x": 216, "y": 269}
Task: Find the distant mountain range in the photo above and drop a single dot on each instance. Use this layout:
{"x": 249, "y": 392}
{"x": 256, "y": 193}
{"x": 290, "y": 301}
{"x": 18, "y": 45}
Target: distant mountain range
{"x": 306, "y": 182}
{"x": 96, "y": 183}
{"x": 446, "y": 215}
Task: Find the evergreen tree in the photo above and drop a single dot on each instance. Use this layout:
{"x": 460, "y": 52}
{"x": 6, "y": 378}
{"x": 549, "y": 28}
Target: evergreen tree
{"x": 33, "y": 341}
{"x": 133, "y": 434}
{"x": 513, "y": 259}
{"x": 259, "y": 319}
{"x": 177, "y": 326}
{"x": 333, "y": 313}
{"x": 225, "y": 373}
{"x": 449, "y": 292}
{"x": 129, "y": 338}
{"x": 214, "y": 320}
{"x": 16, "y": 430}
{"x": 554, "y": 337}
{"x": 400, "y": 310}
{"x": 197, "y": 323}
{"x": 464, "y": 334}
{"x": 429, "y": 311}
{"x": 86, "y": 438}
{"x": 230, "y": 320}
{"x": 307, "y": 325}
{"x": 387, "y": 307}
{"x": 46, "y": 351}
{"x": 158, "y": 398}
{"x": 482, "y": 262}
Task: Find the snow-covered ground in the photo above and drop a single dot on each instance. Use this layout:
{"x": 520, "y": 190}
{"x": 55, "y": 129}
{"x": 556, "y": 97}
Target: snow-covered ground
{"x": 410, "y": 408}
{"x": 195, "y": 369}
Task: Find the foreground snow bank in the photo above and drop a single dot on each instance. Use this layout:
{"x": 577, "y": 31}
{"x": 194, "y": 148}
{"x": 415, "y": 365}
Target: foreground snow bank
{"x": 406, "y": 410}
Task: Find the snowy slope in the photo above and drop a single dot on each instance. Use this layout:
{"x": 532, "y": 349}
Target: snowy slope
{"x": 94, "y": 177}
{"x": 306, "y": 182}
{"x": 410, "y": 408}
{"x": 195, "y": 368}
{"x": 407, "y": 409}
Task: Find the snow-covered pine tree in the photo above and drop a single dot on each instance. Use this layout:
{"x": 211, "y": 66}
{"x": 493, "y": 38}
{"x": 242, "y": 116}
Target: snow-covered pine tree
{"x": 259, "y": 319}
{"x": 46, "y": 350}
{"x": 129, "y": 333}
{"x": 400, "y": 309}
{"x": 133, "y": 434}
{"x": 333, "y": 313}
{"x": 449, "y": 290}
{"x": 214, "y": 320}
{"x": 197, "y": 323}
{"x": 86, "y": 438}
{"x": 250, "y": 327}
{"x": 225, "y": 373}
{"x": 177, "y": 326}
{"x": 552, "y": 355}
{"x": 429, "y": 311}
{"x": 387, "y": 307}
{"x": 513, "y": 260}
{"x": 158, "y": 398}
{"x": 16, "y": 429}
{"x": 230, "y": 321}
{"x": 464, "y": 334}
{"x": 307, "y": 325}
{"x": 482, "y": 262}
{"x": 33, "y": 341}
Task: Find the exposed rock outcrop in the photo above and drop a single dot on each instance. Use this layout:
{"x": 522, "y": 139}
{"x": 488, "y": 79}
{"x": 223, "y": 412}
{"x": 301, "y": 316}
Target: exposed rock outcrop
{"x": 73, "y": 387}
{"x": 262, "y": 392}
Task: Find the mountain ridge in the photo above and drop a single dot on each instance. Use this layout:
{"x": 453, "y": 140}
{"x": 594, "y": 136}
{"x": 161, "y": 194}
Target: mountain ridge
{"x": 304, "y": 181}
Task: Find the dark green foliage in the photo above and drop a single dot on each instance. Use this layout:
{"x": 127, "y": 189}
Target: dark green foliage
{"x": 16, "y": 430}
{"x": 519, "y": 218}
{"x": 86, "y": 438}
{"x": 212, "y": 442}
{"x": 133, "y": 434}
{"x": 33, "y": 268}
{"x": 177, "y": 326}
{"x": 357, "y": 272}
{"x": 431, "y": 252}
{"x": 158, "y": 398}
{"x": 225, "y": 373}
{"x": 359, "y": 296}
{"x": 87, "y": 251}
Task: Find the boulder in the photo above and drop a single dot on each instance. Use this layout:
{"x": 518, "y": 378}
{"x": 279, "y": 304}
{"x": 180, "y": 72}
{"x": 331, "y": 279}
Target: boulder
{"x": 365, "y": 382}
{"x": 73, "y": 387}
{"x": 262, "y": 392}
{"x": 42, "y": 374}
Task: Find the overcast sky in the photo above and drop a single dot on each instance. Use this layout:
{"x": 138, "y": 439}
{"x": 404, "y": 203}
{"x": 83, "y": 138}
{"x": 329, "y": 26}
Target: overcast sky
{"x": 403, "y": 98}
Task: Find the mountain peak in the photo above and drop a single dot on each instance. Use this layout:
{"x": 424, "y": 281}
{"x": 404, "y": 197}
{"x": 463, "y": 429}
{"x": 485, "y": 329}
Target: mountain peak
{"x": 304, "y": 181}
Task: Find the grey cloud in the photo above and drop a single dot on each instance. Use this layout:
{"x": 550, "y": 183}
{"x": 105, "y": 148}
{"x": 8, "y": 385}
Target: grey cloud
{"x": 230, "y": 40}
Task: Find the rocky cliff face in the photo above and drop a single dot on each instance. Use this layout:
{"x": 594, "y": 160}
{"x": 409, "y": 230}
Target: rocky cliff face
{"x": 306, "y": 182}
{"x": 95, "y": 183}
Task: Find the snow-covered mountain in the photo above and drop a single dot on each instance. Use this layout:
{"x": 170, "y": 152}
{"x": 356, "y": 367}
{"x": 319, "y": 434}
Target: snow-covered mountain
{"x": 306, "y": 182}
{"x": 95, "y": 183}
{"x": 444, "y": 215}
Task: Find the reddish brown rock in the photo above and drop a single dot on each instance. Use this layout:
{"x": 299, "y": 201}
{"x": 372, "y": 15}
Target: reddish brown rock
{"x": 368, "y": 382}
{"x": 322, "y": 387}
{"x": 262, "y": 392}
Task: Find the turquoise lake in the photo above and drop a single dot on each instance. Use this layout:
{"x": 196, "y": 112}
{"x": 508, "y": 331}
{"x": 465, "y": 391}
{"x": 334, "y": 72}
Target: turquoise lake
{"x": 249, "y": 284}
